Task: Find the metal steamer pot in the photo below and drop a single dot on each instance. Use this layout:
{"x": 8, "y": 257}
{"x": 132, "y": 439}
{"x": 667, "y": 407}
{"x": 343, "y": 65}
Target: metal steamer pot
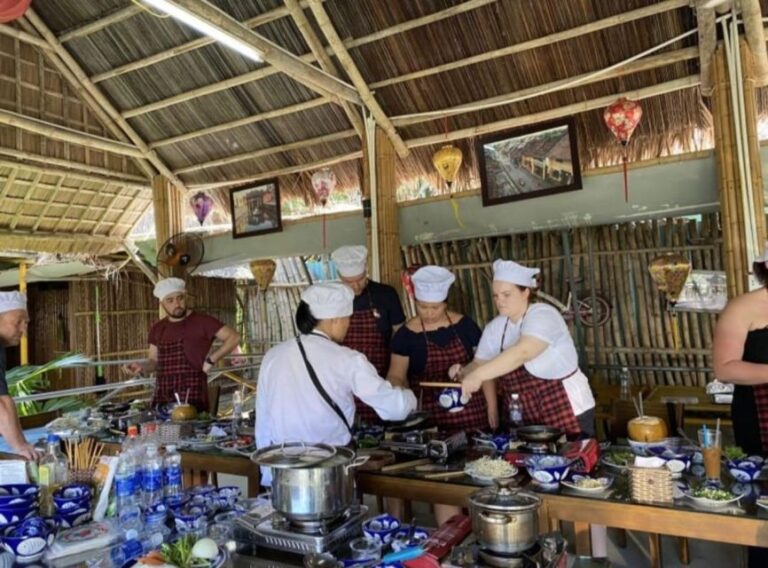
{"x": 504, "y": 519}
{"x": 310, "y": 482}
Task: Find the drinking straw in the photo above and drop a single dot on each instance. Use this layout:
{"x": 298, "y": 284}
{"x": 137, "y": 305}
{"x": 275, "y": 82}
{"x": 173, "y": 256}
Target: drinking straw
{"x": 717, "y": 431}
{"x": 705, "y": 438}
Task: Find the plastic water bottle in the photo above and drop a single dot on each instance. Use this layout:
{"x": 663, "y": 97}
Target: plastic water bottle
{"x": 128, "y": 510}
{"x": 52, "y": 473}
{"x": 625, "y": 393}
{"x": 133, "y": 548}
{"x": 515, "y": 411}
{"x": 152, "y": 478}
{"x": 172, "y": 479}
{"x": 237, "y": 410}
{"x": 132, "y": 446}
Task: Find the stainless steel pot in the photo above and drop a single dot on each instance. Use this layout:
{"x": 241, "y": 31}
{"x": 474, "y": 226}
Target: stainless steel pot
{"x": 310, "y": 483}
{"x": 504, "y": 519}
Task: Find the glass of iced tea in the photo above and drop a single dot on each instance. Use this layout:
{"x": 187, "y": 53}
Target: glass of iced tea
{"x": 711, "y": 449}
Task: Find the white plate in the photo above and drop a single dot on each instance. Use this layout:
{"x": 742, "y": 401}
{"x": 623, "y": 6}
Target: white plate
{"x": 605, "y": 461}
{"x": 606, "y": 482}
{"x": 762, "y": 503}
{"x": 711, "y": 503}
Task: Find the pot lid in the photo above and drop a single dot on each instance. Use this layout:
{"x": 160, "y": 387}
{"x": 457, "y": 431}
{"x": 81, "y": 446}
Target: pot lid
{"x": 503, "y": 497}
{"x": 293, "y": 455}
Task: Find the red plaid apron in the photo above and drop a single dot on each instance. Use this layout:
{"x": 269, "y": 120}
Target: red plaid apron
{"x": 544, "y": 401}
{"x": 761, "y": 405}
{"x": 439, "y": 360}
{"x": 176, "y": 375}
{"x": 364, "y": 336}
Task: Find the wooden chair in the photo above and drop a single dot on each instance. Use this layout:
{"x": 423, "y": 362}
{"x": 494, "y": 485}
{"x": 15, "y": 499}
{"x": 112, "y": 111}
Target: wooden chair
{"x": 214, "y": 394}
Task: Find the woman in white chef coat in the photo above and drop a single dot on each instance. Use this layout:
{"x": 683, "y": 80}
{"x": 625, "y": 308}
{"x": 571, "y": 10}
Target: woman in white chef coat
{"x": 529, "y": 349}
{"x": 289, "y": 403}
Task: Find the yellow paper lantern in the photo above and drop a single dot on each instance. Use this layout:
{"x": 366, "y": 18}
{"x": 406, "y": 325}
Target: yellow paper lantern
{"x": 669, "y": 272}
{"x": 447, "y": 160}
{"x": 263, "y": 271}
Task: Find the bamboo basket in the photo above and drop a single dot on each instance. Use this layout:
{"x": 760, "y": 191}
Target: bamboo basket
{"x": 650, "y": 485}
{"x": 173, "y": 432}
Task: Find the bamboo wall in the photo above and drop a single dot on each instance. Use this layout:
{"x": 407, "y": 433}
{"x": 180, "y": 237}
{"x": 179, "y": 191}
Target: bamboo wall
{"x": 612, "y": 260}
{"x": 64, "y": 319}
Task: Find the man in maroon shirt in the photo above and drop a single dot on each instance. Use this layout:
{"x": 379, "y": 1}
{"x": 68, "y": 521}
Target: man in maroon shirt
{"x": 179, "y": 348}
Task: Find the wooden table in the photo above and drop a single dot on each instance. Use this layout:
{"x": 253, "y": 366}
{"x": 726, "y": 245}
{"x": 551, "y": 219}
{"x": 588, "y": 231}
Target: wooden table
{"x": 679, "y": 520}
{"x": 197, "y": 467}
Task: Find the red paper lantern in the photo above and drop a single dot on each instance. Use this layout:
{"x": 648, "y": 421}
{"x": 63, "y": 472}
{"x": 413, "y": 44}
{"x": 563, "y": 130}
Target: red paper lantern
{"x": 12, "y": 9}
{"x": 622, "y": 117}
{"x": 324, "y": 182}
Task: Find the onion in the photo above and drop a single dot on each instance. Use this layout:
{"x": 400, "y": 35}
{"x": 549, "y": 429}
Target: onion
{"x": 205, "y": 548}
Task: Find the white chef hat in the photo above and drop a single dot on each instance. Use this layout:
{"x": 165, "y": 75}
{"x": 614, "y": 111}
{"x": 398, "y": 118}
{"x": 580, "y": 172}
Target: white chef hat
{"x": 329, "y": 300}
{"x": 10, "y": 301}
{"x": 509, "y": 271}
{"x": 350, "y": 260}
{"x": 168, "y": 286}
{"x": 763, "y": 258}
{"x": 432, "y": 283}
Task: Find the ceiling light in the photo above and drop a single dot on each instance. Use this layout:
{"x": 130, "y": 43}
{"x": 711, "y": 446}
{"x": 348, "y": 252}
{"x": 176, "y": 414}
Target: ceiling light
{"x": 206, "y": 28}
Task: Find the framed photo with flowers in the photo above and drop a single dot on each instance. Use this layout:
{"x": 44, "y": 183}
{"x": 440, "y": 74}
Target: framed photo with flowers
{"x": 528, "y": 162}
{"x": 255, "y": 209}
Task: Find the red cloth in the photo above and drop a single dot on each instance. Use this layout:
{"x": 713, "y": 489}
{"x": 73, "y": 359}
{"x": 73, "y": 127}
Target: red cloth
{"x": 544, "y": 401}
{"x": 176, "y": 375}
{"x": 364, "y": 336}
{"x": 196, "y": 331}
{"x": 439, "y": 360}
{"x": 761, "y": 405}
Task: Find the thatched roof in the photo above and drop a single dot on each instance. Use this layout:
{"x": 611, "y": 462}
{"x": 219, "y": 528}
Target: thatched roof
{"x": 212, "y": 116}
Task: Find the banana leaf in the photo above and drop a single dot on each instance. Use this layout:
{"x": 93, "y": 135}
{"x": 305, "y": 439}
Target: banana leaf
{"x": 30, "y": 379}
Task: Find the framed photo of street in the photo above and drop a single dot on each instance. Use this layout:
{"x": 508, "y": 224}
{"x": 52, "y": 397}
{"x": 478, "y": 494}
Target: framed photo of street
{"x": 255, "y": 209}
{"x": 528, "y": 162}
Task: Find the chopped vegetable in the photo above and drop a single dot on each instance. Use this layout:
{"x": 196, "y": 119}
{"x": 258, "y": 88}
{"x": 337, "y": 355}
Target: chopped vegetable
{"x": 619, "y": 457}
{"x": 734, "y": 453}
{"x": 712, "y": 493}
{"x": 589, "y": 483}
{"x": 490, "y": 467}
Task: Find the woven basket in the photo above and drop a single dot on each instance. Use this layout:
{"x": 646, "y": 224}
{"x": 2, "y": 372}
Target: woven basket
{"x": 173, "y": 432}
{"x": 650, "y": 485}
{"x": 81, "y": 476}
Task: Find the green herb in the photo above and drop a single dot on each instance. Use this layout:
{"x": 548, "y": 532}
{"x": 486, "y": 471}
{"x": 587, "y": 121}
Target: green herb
{"x": 734, "y": 453}
{"x": 179, "y": 553}
{"x": 712, "y": 493}
{"x": 619, "y": 457}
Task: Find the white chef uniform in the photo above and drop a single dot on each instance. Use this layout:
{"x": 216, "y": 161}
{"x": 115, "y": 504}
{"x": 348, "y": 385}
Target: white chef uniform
{"x": 288, "y": 406}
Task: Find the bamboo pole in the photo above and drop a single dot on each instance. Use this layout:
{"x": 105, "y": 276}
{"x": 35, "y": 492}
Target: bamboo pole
{"x": 752, "y": 15}
{"x": 267, "y": 151}
{"x": 101, "y": 23}
{"x": 280, "y": 58}
{"x": 102, "y": 102}
{"x": 326, "y": 64}
{"x": 645, "y": 64}
{"x": 352, "y": 71}
{"x": 23, "y": 37}
{"x": 65, "y": 134}
{"x": 707, "y": 32}
{"x": 548, "y": 40}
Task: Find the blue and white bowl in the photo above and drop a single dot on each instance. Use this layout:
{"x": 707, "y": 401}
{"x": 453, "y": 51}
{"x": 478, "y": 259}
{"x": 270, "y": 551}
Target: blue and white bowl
{"x": 676, "y": 461}
{"x": 381, "y": 528}
{"x": 202, "y": 490}
{"x": 72, "y": 497}
{"x": 190, "y": 520}
{"x": 176, "y": 503}
{"x": 449, "y": 399}
{"x": 26, "y": 548}
{"x": 18, "y": 500}
{"x": 74, "y": 518}
{"x": 400, "y": 542}
{"x": 70, "y": 506}
{"x": 14, "y": 515}
{"x": 227, "y": 496}
{"x": 547, "y": 470}
{"x": 746, "y": 469}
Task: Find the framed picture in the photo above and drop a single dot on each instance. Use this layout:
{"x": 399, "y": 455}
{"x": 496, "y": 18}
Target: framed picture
{"x": 255, "y": 209}
{"x": 529, "y": 162}
{"x": 704, "y": 291}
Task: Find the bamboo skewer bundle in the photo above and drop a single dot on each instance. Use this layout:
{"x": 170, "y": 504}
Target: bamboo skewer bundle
{"x": 83, "y": 456}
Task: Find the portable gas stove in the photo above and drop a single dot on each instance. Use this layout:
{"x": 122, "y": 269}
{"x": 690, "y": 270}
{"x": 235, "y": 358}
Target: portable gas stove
{"x": 549, "y": 551}
{"x": 277, "y": 532}
{"x": 425, "y": 443}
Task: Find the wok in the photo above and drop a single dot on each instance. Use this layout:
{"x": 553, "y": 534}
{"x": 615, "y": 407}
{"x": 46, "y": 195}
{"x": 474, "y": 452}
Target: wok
{"x": 540, "y": 434}
{"x": 414, "y": 420}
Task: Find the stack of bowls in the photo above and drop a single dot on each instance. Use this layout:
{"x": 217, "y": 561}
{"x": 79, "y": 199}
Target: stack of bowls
{"x": 381, "y": 528}
{"x": 72, "y": 504}
{"x": 17, "y": 503}
{"x": 28, "y": 540}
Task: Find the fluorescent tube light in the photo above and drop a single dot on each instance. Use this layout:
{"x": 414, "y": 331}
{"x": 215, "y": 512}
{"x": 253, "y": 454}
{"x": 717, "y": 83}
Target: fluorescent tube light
{"x": 206, "y": 28}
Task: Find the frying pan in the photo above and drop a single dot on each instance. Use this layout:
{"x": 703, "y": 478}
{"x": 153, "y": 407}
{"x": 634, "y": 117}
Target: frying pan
{"x": 540, "y": 434}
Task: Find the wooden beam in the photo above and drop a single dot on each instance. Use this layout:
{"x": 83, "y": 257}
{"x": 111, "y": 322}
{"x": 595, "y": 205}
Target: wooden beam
{"x": 71, "y": 174}
{"x": 605, "y": 23}
{"x": 280, "y": 58}
{"x": 169, "y": 219}
{"x": 107, "y": 121}
{"x": 101, "y": 23}
{"x": 100, "y": 98}
{"x": 314, "y": 103}
{"x": 148, "y": 272}
{"x": 281, "y": 172}
{"x": 65, "y": 134}
{"x": 707, "y": 32}
{"x": 576, "y": 108}
{"x": 753, "y": 28}
{"x": 26, "y": 198}
{"x": 326, "y": 64}
{"x": 46, "y": 161}
{"x": 644, "y": 64}
{"x": 386, "y": 212}
{"x": 354, "y": 74}
{"x": 7, "y": 30}
{"x": 55, "y": 240}
{"x": 267, "y": 151}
